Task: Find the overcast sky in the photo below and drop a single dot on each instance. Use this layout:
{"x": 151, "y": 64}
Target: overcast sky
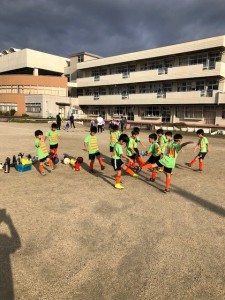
{"x": 106, "y": 27}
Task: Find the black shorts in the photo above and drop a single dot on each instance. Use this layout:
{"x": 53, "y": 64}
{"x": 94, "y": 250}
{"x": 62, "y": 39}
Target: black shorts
{"x": 116, "y": 163}
{"x": 54, "y": 146}
{"x": 153, "y": 159}
{"x": 43, "y": 159}
{"x": 93, "y": 155}
{"x": 167, "y": 170}
{"x": 111, "y": 148}
{"x": 202, "y": 155}
{"x": 137, "y": 151}
{"x": 132, "y": 156}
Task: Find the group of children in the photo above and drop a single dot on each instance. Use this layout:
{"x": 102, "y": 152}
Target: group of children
{"x": 162, "y": 152}
{"x": 45, "y": 154}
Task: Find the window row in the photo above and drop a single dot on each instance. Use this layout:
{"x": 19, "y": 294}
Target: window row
{"x": 7, "y": 106}
{"x": 183, "y": 86}
{"x": 152, "y": 64}
{"x": 33, "y": 90}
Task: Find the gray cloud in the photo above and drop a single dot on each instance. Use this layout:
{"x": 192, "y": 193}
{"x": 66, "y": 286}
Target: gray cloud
{"x": 107, "y": 27}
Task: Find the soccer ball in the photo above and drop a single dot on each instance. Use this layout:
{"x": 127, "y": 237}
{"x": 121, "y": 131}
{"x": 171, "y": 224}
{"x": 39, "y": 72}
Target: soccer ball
{"x": 72, "y": 161}
{"x": 55, "y": 160}
{"x": 80, "y": 159}
{"x": 66, "y": 160}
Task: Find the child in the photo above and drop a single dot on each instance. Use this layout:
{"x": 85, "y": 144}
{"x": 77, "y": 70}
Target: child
{"x": 114, "y": 136}
{"x": 117, "y": 163}
{"x": 91, "y": 145}
{"x": 203, "y": 144}
{"x": 154, "y": 152}
{"x": 139, "y": 159}
{"x": 92, "y": 123}
{"x": 42, "y": 151}
{"x": 162, "y": 140}
{"x": 131, "y": 153}
{"x": 67, "y": 125}
{"x": 169, "y": 159}
{"x": 53, "y": 136}
{"x": 165, "y": 141}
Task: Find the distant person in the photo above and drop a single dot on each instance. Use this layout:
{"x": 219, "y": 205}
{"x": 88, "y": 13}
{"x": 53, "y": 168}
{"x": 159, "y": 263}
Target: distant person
{"x": 203, "y": 146}
{"x": 100, "y": 123}
{"x": 72, "y": 121}
{"x": 123, "y": 123}
{"x": 59, "y": 120}
{"x": 92, "y": 123}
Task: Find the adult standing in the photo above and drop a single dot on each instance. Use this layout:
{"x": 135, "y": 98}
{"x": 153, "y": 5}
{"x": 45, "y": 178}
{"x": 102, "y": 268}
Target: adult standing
{"x": 100, "y": 123}
{"x": 72, "y": 121}
{"x": 59, "y": 120}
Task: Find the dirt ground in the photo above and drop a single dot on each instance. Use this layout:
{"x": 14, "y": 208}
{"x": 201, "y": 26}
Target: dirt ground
{"x": 72, "y": 235}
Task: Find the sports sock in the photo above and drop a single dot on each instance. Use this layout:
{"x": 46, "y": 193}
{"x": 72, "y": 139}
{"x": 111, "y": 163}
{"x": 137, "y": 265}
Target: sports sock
{"x": 193, "y": 162}
{"x": 140, "y": 161}
{"x": 200, "y": 165}
{"x": 168, "y": 182}
{"x": 100, "y": 161}
{"x": 117, "y": 179}
{"x": 41, "y": 168}
{"x": 154, "y": 174}
{"x": 91, "y": 165}
{"x": 49, "y": 161}
{"x": 129, "y": 171}
{"x": 148, "y": 166}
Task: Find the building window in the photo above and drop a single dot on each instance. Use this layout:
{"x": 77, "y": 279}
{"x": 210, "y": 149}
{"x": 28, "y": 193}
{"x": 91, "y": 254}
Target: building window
{"x": 119, "y": 110}
{"x": 152, "y": 111}
{"x": 223, "y": 112}
{"x": 80, "y": 58}
{"x": 189, "y": 112}
{"x": 33, "y": 107}
{"x": 213, "y": 85}
{"x": 7, "y": 106}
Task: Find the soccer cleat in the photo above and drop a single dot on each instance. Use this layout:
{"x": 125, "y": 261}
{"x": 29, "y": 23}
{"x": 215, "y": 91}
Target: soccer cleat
{"x": 135, "y": 175}
{"x": 166, "y": 191}
{"x": 119, "y": 186}
{"x": 43, "y": 173}
{"x": 91, "y": 171}
{"x": 102, "y": 167}
{"x": 188, "y": 165}
{"x": 200, "y": 171}
{"x": 150, "y": 179}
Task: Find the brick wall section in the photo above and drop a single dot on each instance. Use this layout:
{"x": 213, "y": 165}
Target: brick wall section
{"x": 15, "y": 98}
{"x": 49, "y": 81}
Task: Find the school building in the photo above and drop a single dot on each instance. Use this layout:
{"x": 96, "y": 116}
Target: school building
{"x": 178, "y": 83}
{"x": 182, "y": 83}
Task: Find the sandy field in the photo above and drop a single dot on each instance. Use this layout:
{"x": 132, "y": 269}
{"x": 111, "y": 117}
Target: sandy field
{"x": 72, "y": 235}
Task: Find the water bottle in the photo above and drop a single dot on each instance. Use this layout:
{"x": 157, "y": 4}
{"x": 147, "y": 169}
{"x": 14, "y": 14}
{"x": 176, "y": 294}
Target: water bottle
{"x": 7, "y": 165}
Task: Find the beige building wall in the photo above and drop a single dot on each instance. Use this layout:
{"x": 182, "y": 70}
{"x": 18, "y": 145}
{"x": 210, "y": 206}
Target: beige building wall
{"x": 28, "y": 58}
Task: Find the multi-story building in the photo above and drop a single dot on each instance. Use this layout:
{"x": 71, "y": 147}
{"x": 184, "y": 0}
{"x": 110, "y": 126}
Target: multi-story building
{"x": 183, "y": 83}
{"x": 33, "y": 82}
{"x": 177, "y": 83}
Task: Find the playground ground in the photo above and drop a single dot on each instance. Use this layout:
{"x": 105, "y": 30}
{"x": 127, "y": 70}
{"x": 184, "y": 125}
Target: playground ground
{"x": 72, "y": 235}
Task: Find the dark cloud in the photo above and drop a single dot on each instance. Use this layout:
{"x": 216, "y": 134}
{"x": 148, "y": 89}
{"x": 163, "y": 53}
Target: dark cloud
{"x": 107, "y": 27}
